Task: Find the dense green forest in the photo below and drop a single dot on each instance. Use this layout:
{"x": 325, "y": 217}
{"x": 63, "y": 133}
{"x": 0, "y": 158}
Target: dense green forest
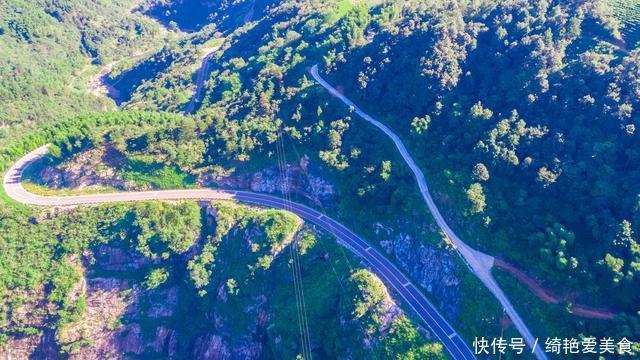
{"x": 51, "y": 48}
{"x": 530, "y": 119}
{"x": 522, "y": 113}
{"x": 516, "y": 110}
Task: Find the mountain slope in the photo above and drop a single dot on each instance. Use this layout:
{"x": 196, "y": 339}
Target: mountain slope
{"x": 50, "y": 48}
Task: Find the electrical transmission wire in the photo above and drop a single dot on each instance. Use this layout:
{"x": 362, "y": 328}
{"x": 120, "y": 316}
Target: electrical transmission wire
{"x": 332, "y": 230}
{"x": 294, "y": 252}
{"x": 322, "y": 208}
{"x": 295, "y": 260}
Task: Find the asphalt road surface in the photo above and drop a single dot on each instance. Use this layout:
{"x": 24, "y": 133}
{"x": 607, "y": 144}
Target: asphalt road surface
{"x": 479, "y": 263}
{"x": 380, "y": 265}
{"x": 202, "y": 72}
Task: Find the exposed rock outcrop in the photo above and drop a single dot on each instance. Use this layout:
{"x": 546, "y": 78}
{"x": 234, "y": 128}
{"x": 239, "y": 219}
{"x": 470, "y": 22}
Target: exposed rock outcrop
{"x": 166, "y": 341}
{"x": 163, "y": 303}
{"x": 302, "y": 182}
{"x": 88, "y": 169}
{"x": 111, "y": 258}
{"x": 108, "y": 301}
{"x": 211, "y": 347}
{"x": 33, "y": 313}
{"x": 20, "y": 348}
{"x": 430, "y": 267}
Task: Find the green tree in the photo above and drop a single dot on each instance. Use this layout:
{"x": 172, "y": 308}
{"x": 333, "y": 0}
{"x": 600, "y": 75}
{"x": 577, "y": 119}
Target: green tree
{"x": 385, "y": 170}
{"x": 480, "y": 172}
{"x": 419, "y": 125}
{"x": 156, "y": 278}
{"x": 476, "y": 197}
{"x": 164, "y": 229}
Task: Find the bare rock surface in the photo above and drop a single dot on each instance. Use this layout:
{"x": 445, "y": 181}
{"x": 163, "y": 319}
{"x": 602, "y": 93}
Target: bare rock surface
{"x": 433, "y": 269}
{"x": 163, "y": 303}
{"x": 111, "y": 258}
{"x": 210, "y": 347}
{"x": 108, "y": 301}
{"x": 301, "y": 181}
{"x": 20, "y": 348}
{"x": 88, "y": 169}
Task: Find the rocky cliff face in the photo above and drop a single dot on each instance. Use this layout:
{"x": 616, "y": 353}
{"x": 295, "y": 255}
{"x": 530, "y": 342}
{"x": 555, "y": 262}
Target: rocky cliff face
{"x": 88, "y": 169}
{"x": 429, "y": 266}
{"x": 27, "y": 315}
{"x": 108, "y": 301}
{"x": 98, "y": 168}
{"x": 302, "y": 181}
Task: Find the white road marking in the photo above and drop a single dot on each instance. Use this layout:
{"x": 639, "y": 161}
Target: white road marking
{"x": 264, "y": 200}
{"x": 480, "y": 263}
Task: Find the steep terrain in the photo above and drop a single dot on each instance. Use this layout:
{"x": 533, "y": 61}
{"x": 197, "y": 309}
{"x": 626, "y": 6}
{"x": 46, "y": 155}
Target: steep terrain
{"x": 178, "y": 280}
{"x": 515, "y": 109}
{"x": 51, "y": 48}
{"x": 522, "y": 114}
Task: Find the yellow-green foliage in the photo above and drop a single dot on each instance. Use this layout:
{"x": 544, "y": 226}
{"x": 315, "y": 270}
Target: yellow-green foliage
{"x": 163, "y": 229}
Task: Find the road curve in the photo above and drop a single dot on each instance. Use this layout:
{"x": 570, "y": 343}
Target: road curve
{"x": 479, "y": 263}
{"x": 202, "y": 72}
{"x": 382, "y": 266}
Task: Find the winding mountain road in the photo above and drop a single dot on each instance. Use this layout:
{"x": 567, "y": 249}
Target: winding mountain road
{"x": 382, "y": 266}
{"x": 479, "y": 263}
{"x": 204, "y": 67}
{"x": 202, "y": 72}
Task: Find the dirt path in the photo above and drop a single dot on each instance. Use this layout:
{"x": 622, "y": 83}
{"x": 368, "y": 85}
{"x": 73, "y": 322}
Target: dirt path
{"x": 549, "y": 297}
{"x": 97, "y": 85}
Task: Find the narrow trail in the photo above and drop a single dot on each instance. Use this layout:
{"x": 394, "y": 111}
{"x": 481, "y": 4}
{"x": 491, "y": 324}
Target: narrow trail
{"x": 549, "y": 297}
{"x": 204, "y": 67}
{"x": 202, "y": 72}
{"x": 479, "y": 263}
{"x": 98, "y": 84}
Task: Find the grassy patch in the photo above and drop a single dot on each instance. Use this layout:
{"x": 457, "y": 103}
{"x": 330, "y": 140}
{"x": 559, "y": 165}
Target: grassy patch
{"x": 6, "y": 200}
{"x": 158, "y": 176}
{"x": 43, "y": 190}
{"x": 213, "y": 43}
{"x": 339, "y": 10}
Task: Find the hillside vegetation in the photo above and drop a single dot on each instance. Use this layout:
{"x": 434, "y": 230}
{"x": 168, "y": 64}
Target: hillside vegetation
{"x": 524, "y": 115}
{"x": 515, "y": 109}
{"x": 50, "y": 48}
{"x": 146, "y": 279}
